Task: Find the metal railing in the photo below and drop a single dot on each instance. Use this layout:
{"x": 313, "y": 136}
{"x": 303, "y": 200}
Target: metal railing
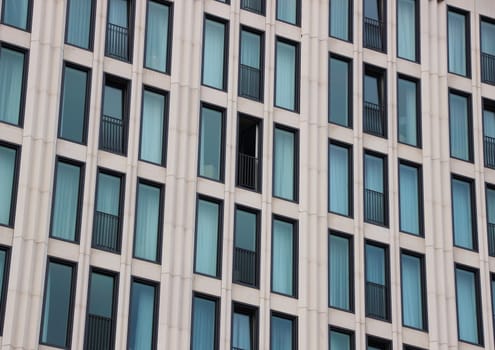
{"x": 374, "y": 118}
{"x": 247, "y": 171}
{"x": 489, "y": 151}
{"x": 488, "y": 68}
{"x": 491, "y": 239}
{"x": 376, "y": 300}
{"x": 112, "y": 134}
{"x": 244, "y": 266}
{"x": 117, "y": 44}
{"x": 99, "y": 333}
{"x": 373, "y": 34}
{"x": 374, "y": 209}
{"x": 249, "y": 82}
{"x": 106, "y": 231}
{"x": 253, "y": 5}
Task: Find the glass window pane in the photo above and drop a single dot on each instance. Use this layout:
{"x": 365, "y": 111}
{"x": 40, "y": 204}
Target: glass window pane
{"x": 113, "y": 102}
{"x": 7, "y": 164}
{"x": 108, "y": 194}
{"x": 211, "y": 140}
{"x": 374, "y": 173}
{"x": 281, "y": 337}
{"x": 409, "y": 199}
{"x": 283, "y": 257}
{"x": 15, "y": 13}
{"x": 3, "y": 265}
{"x": 339, "y": 19}
{"x": 118, "y": 13}
{"x": 375, "y": 264}
{"x": 371, "y": 89}
{"x": 214, "y": 54}
{"x": 340, "y": 341}
{"x": 287, "y": 11}
{"x": 406, "y": 29}
{"x": 462, "y": 214}
{"x": 152, "y": 128}
{"x": 241, "y": 332}
{"x": 250, "y": 49}
{"x": 284, "y": 167}
{"x": 407, "y": 112}
{"x": 147, "y": 222}
{"x": 207, "y": 237}
{"x": 79, "y": 22}
{"x": 11, "y": 85}
{"x": 457, "y": 43}
{"x": 339, "y": 270}
{"x": 157, "y": 36}
{"x": 141, "y": 317}
{"x": 339, "y": 92}
{"x": 101, "y": 295}
{"x": 412, "y": 303}
{"x": 467, "y": 311}
{"x": 490, "y": 205}
{"x": 245, "y": 230}
{"x": 460, "y": 145}
{"x": 339, "y": 180}
{"x": 487, "y": 35}
{"x": 204, "y": 324}
{"x": 285, "y": 76}
{"x": 73, "y": 111}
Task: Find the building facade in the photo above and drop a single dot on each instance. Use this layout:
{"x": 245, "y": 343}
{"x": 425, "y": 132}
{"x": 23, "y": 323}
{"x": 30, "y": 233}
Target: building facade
{"x": 247, "y": 174}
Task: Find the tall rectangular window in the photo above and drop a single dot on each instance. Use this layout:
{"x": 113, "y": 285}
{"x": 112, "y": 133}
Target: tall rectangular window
{"x": 251, "y": 65}
{"x": 284, "y": 253}
{"x": 340, "y": 91}
{"x": 407, "y": 22}
{"x": 215, "y": 52}
{"x": 489, "y": 132}
{"x": 340, "y": 271}
{"x": 4, "y": 274}
{"x": 153, "y": 147}
{"x": 74, "y": 104}
{"x": 58, "y": 304}
{"x": 458, "y": 41}
{"x": 143, "y": 314}
{"x": 158, "y": 39}
{"x": 487, "y": 50}
{"x": 207, "y": 259}
{"x": 13, "y": 64}
{"x": 410, "y": 198}
{"x": 375, "y": 102}
{"x": 375, "y": 189}
{"x": 246, "y": 243}
{"x": 8, "y": 183}
{"x": 283, "y": 335}
{"x": 205, "y": 323}
{"x": 107, "y": 222}
{"x": 211, "y": 143}
{"x": 413, "y": 290}
{"x": 374, "y": 26}
{"x": 79, "y": 23}
{"x": 460, "y": 124}
{"x": 285, "y": 167}
{"x": 490, "y": 218}
{"x": 340, "y": 186}
{"x": 289, "y": 11}
{"x": 17, "y": 13}
{"x": 341, "y": 19}
{"x": 463, "y": 213}
{"x": 67, "y": 200}
{"x": 147, "y": 237}
{"x": 101, "y": 310}
{"x": 244, "y": 328}
{"x": 249, "y": 151}
{"x": 341, "y": 339}
{"x": 119, "y": 30}
{"x": 408, "y": 111}
{"x": 287, "y": 74}
{"x": 256, "y": 6}
{"x": 377, "y": 281}
{"x": 469, "y": 316}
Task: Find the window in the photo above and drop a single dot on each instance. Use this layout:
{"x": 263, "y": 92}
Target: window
{"x": 17, "y": 13}
{"x": 283, "y": 334}
{"x": 208, "y": 237}
{"x": 107, "y": 225}
{"x": 285, "y": 163}
{"x": 67, "y": 200}
{"x": 4, "y": 278}
{"x": 408, "y": 111}
{"x": 287, "y": 74}
{"x": 113, "y": 127}
{"x": 463, "y": 213}
{"x": 74, "y": 104}
{"x": 374, "y": 343}
{"x": 205, "y": 319}
{"x": 284, "y": 257}
{"x": 246, "y": 246}
{"x": 249, "y": 151}
{"x": 340, "y": 91}
{"x": 13, "y": 64}
{"x": 489, "y": 132}
{"x": 79, "y": 25}
{"x": 9, "y": 163}
{"x": 119, "y": 30}
{"x": 469, "y": 322}
{"x": 289, "y": 11}
{"x": 143, "y": 314}
{"x": 461, "y": 143}
{"x": 374, "y": 26}
{"x": 211, "y": 143}
{"x": 101, "y": 310}
{"x": 341, "y": 339}
{"x": 490, "y": 218}
{"x": 148, "y": 235}
{"x": 410, "y": 198}
{"x": 374, "y": 109}
{"x": 251, "y": 65}
{"x": 407, "y": 23}
{"x": 58, "y": 304}
{"x": 375, "y": 189}
{"x": 492, "y": 281}
{"x": 340, "y": 271}
{"x": 244, "y": 327}
{"x": 340, "y": 187}
{"x": 413, "y": 290}
{"x": 341, "y": 19}
{"x": 158, "y": 38}
{"x": 377, "y": 281}
{"x": 215, "y": 52}
{"x": 487, "y": 50}
{"x": 256, "y": 6}
{"x": 408, "y": 347}
{"x": 458, "y": 41}
{"x": 153, "y": 146}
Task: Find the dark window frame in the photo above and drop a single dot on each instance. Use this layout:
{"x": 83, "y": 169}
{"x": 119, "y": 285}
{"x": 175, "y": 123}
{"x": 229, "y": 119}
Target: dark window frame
{"x": 350, "y": 90}
{"x": 170, "y": 33}
{"x": 467, "y": 31}
{"x": 15, "y": 185}
{"x": 421, "y": 216}
{"x": 380, "y": 74}
{"x": 492, "y": 290}
{"x": 259, "y": 171}
{"x": 474, "y": 221}
{"x": 253, "y": 313}
{"x": 341, "y": 330}
{"x": 386, "y": 250}
{"x": 417, "y": 25}
{"x": 489, "y": 20}
{"x": 131, "y": 21}
{"x": 350, "y": 23}
{"x": 91, "y": 27}
{"x": 297, "y": 80}
{"x": 262, "y": 62}
{"x": 375, "y": 341}
{"x": 486, "y": 105}
{"x": 469, "y": 117}
{"x": 491, "y": 252}
{"x": 350, "y": 239}
{"x": 293, "y": 319}
{"x": 410, "y": 347}
{"x": 419, "y": 121}
{"x": 263, "y": 8}
{"x": 214, "y": 299}
{"x": 386, "y": 204}
{"x": 29, "y": 17}
{"x": 382, "y": 15}
{"x": 296, "y": 162}
{"x": 350, "y": 169}
{"x": 298, "y": 14}
{"x": 5, "y": 285}
{"x": 226, "y": 49}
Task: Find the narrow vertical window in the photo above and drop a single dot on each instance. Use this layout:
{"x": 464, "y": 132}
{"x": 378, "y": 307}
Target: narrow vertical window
{"x": 256, "y": 6}
{"x": 211, "y": 143}
{"x": 288, "y": 11}
{"x": 339, "y": 179}
{"x": 143, "y": 316}
{"x": 147, "y": 238}
{"x": 157, "y": 37}
{"x": 208, "y": 237}
{"x": 407, "y": 19}
{"x": 244, "y": 328}
{"x": 487, "y": 50}
{"x": 458, "y": 41}
{"x": 286, "y": 75}
{"x": 79, "y": 25}
{"x": 283, "y": 334}
{"x": 408, "y": 111}
{"x": 74, "y": 104}
{"x": 285, "y": 166}
{"x": 249, "y": 151}
{"x": 489, "y": 133}
{"x": 341, "y": 339}
{"x": 340, "y": 279}
{"x": 8, "y": 180}
{"x": 375, "y": 189}
{"x": 374, "y": 109}
{"x": 413, "y": 296}
{"x": 250, "y": 65}
{"x": 153, "y": 146}
{"x": 119, "y": 30}
{"x": 490, "y": 218}
{"x": 215, "y": 53}
{"x": 4, "y": 273}
{"x": 17, "y": 13}
{"x": 204, "y": 323}
{"x": 67, "y": 195}
{"x": 410, "y": 198}
{"x": 340, "y": 91}
{"x": 460, "y": 126}
{"x": 246, "y": 242}
{"x": 284, "y": 263}
{"x": 12, "y": 84}
{"x": 377, "y": 282}
{"x": 463, "y": 213}
{"x": 340, "y": 19}
{"x": 374, "y": 27}
{"x": 58, "y": 304}
{"x": 469, "y": 323}
{"x": 492, "y": 282}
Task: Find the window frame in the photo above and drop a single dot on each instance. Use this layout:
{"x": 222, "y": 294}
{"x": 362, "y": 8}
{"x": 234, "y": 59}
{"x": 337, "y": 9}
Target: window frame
{"x": 421, "y": 212}
{"x": 5, "y": 285}
{"x": 469, "y": 117}
{"x": 259, "y": 170}
{"x": 419, "y": 121}
{"x": 168, "y": 66}
{"x": 386, "y": 250}
{"x": 491, "y": 250}
{"x": 467, "y": 33}
{"x": 253, "y": 313}
{"x": 263, "y": 8}
{"x": 298, "y": 14}
{"x": 295, "y": 185}
{"x": 350, "y": 87}
{"x": 297, "y": 73}
{"x": 294, "y": 330}
{"x": 131, "y": 14}
{"x": 380, "y": 74}
{"x": 350, "y": 239}
{"x": 386, "y": 344}
{"x": 262, "y": 61}
{"x": 91, "y": 27}
{"x": 15, "y": 188}
{"x": 350, "y": 169}
{"x": 382, "y": 14}
{"x": 474, "y": 221}
{"x": 386, "y": 204}
{"x": 417, "y": 25}
{"x": 226, "y": 49}
{"x": 350, "y": 23}
{"x": 486, "y": 105}
{"x": 29, "y": 17}
{"x": 490, "y": 20}
{"x": 341, "y": 330}
{"x": 214, "y": 299}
